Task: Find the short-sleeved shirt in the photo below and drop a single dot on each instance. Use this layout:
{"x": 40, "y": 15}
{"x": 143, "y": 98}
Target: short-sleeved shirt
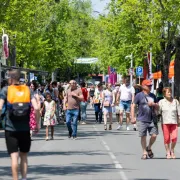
{"x": 73, "y": 102}
{"x": 169, "y": 111}
{"x": 98, "y": 95}
{"x": 91, "y": 92}
{"x": 126, "y": 92}
{"x": 145, "y": 112}
{"x": 15, "y": 125}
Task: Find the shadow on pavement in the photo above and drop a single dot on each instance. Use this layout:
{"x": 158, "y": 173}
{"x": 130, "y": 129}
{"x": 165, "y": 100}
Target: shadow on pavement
{"x": 4, "y": 154}
{"x": 150, "y": 179}
{"x": 74, "y": 169}
{"x": 61, "y": 131}
{"x": 164, "y": 158}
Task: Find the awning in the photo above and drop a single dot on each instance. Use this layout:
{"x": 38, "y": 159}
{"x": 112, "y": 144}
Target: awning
{"x": 158, "y": 75}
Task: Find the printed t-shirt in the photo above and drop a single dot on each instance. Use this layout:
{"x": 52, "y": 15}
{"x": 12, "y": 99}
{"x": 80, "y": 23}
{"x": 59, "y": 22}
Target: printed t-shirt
{"x": 98, "y": 96}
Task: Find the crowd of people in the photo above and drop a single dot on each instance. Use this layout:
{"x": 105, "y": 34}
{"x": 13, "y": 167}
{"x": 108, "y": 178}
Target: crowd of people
{"x": 24, "y": 109}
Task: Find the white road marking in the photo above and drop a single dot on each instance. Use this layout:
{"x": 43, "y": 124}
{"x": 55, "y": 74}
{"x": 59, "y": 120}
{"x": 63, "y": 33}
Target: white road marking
{"x": 113, "y": 157}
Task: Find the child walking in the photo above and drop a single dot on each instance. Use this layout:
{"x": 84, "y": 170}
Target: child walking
{"x": 49, "y": 117}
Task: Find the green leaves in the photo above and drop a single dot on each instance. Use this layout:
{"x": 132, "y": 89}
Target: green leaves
{"x": 131, "y": 27}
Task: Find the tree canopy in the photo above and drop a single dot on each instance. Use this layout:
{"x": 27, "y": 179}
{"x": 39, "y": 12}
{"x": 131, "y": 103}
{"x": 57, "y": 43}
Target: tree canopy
{"x": 50, "y": 34}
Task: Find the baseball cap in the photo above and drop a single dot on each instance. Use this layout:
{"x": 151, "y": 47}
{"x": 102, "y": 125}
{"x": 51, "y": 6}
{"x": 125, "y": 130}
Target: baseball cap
{"x": 146, "y": 82}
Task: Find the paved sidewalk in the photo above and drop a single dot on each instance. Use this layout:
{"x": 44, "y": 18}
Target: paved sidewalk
{"x": 95, "y": 155}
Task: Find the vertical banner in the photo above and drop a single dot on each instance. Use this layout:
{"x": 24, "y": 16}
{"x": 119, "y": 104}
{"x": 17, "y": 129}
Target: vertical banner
{"x": 112, "y": 75}
{"x": 5, "y": 49}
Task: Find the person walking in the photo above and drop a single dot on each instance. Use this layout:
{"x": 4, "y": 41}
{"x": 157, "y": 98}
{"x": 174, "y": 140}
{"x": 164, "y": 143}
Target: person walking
{"x": 169, "y": 109}
{"x": 49, "y": 117}
{"x": 117, "y": 109}
{"x": 147, "y": 104}
{"x": 17, "y": 99}
{"x": 126, "y": 96}
{"x": 57, "y": 101}
{"x": 34, "y": 90}
{"x": 51, "y": 91}
{"x": 108, "y": 100}
{"x": 97, "y": 103}
{"x": 84, "y": 103}
{"x": 71, "y": 105}
{"x": 91, "y": 95}
{"x": 159, "y": 92}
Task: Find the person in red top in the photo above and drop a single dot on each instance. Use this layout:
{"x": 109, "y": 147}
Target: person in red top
{"x": 83, "y": 104}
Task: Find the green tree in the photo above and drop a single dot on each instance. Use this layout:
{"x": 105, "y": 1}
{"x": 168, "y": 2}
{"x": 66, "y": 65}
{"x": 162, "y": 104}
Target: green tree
{"x": 133, "y": 26}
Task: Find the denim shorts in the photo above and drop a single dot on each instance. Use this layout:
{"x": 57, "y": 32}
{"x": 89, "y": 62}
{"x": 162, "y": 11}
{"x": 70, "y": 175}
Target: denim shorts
{"x": 108, "y": 109}
{"x": 125, "y": 106}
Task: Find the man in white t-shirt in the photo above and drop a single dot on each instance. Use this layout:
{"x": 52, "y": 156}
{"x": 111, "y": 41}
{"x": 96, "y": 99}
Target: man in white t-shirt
{"x": 126, "y": 97}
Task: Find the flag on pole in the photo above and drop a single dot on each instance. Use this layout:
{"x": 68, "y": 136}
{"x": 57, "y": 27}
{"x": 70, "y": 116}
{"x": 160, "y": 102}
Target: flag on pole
{"x": 5, "y": 49}
{"x": 112, "y": 75}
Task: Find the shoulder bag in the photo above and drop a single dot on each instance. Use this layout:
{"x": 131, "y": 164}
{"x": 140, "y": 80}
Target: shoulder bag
{"x": 177, "y": 114}
{"x": 106, "y": 104}
{"x": 154, "y": 117}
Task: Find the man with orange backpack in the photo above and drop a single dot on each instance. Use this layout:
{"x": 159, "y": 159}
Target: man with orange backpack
{"x": 17, "y": 99}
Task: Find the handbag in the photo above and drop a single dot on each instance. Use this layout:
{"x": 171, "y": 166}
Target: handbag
{"x": 154, "y": 117}
{"x": 96, "y": 101}
{"x": 106, "y": 104}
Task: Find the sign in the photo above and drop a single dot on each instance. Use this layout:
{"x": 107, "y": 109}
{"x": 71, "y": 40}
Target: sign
{"x": 31, "y": 77}
{"x": 139, "y": 71}
{"x": 86, "y": 60}
{"x": 131, "y": 71}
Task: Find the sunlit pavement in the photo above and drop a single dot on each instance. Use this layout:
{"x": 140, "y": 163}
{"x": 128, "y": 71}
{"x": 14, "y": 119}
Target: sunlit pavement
{"x": 95, "y": 155}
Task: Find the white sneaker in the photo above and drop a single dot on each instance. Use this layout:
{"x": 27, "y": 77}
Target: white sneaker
{"x": 127, "y": 128}
{"x": 119, "y": 127}
{"x": 83, "y": 123}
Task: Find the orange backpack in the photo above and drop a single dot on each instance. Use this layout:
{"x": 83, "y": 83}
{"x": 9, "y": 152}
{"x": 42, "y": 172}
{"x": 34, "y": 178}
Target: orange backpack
{"x": 18, "y": 101}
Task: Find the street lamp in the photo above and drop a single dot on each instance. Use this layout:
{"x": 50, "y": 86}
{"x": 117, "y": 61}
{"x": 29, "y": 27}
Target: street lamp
{"x": 131, "y": 73}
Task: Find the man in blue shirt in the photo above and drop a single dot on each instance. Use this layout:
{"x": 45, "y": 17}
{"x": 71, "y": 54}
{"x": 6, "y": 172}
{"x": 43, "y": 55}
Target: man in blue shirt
{"x": 146, "y": 102}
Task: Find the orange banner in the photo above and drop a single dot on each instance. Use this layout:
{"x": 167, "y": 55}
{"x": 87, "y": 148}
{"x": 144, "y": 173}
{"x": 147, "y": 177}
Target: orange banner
{"x": 158, "y": 75}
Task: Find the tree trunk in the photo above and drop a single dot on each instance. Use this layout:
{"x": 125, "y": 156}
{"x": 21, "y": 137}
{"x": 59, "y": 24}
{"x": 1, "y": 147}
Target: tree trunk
{"x": 177, "y": 68}
{"x": 165, "y": 66}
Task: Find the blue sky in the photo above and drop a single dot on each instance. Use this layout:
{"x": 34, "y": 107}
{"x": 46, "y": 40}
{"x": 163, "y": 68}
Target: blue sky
{"x": 99, "y": 5}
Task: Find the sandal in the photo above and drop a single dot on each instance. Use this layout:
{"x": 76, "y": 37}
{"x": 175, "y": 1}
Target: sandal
{"x": 168, "y": 155}
{"x": 105, "y": 127}
{"x": 173, "y": 155}
{"x": 150, "y": 153}
{"x": 144, "y": 157}
{"x": 110, "y": 127}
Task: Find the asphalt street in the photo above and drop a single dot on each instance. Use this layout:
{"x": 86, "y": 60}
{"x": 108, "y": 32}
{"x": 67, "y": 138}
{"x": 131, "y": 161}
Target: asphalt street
{"x": 95, "y": 155}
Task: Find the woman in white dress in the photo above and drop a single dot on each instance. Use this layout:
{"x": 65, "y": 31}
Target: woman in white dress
{"x": 49, "y": 117}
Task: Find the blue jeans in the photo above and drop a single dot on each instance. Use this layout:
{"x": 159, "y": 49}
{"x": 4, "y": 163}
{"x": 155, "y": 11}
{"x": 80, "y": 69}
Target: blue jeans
{"x": 83, "y": 107}
{"x": 72, "y": 116}
{"x": 98, "y": 112}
